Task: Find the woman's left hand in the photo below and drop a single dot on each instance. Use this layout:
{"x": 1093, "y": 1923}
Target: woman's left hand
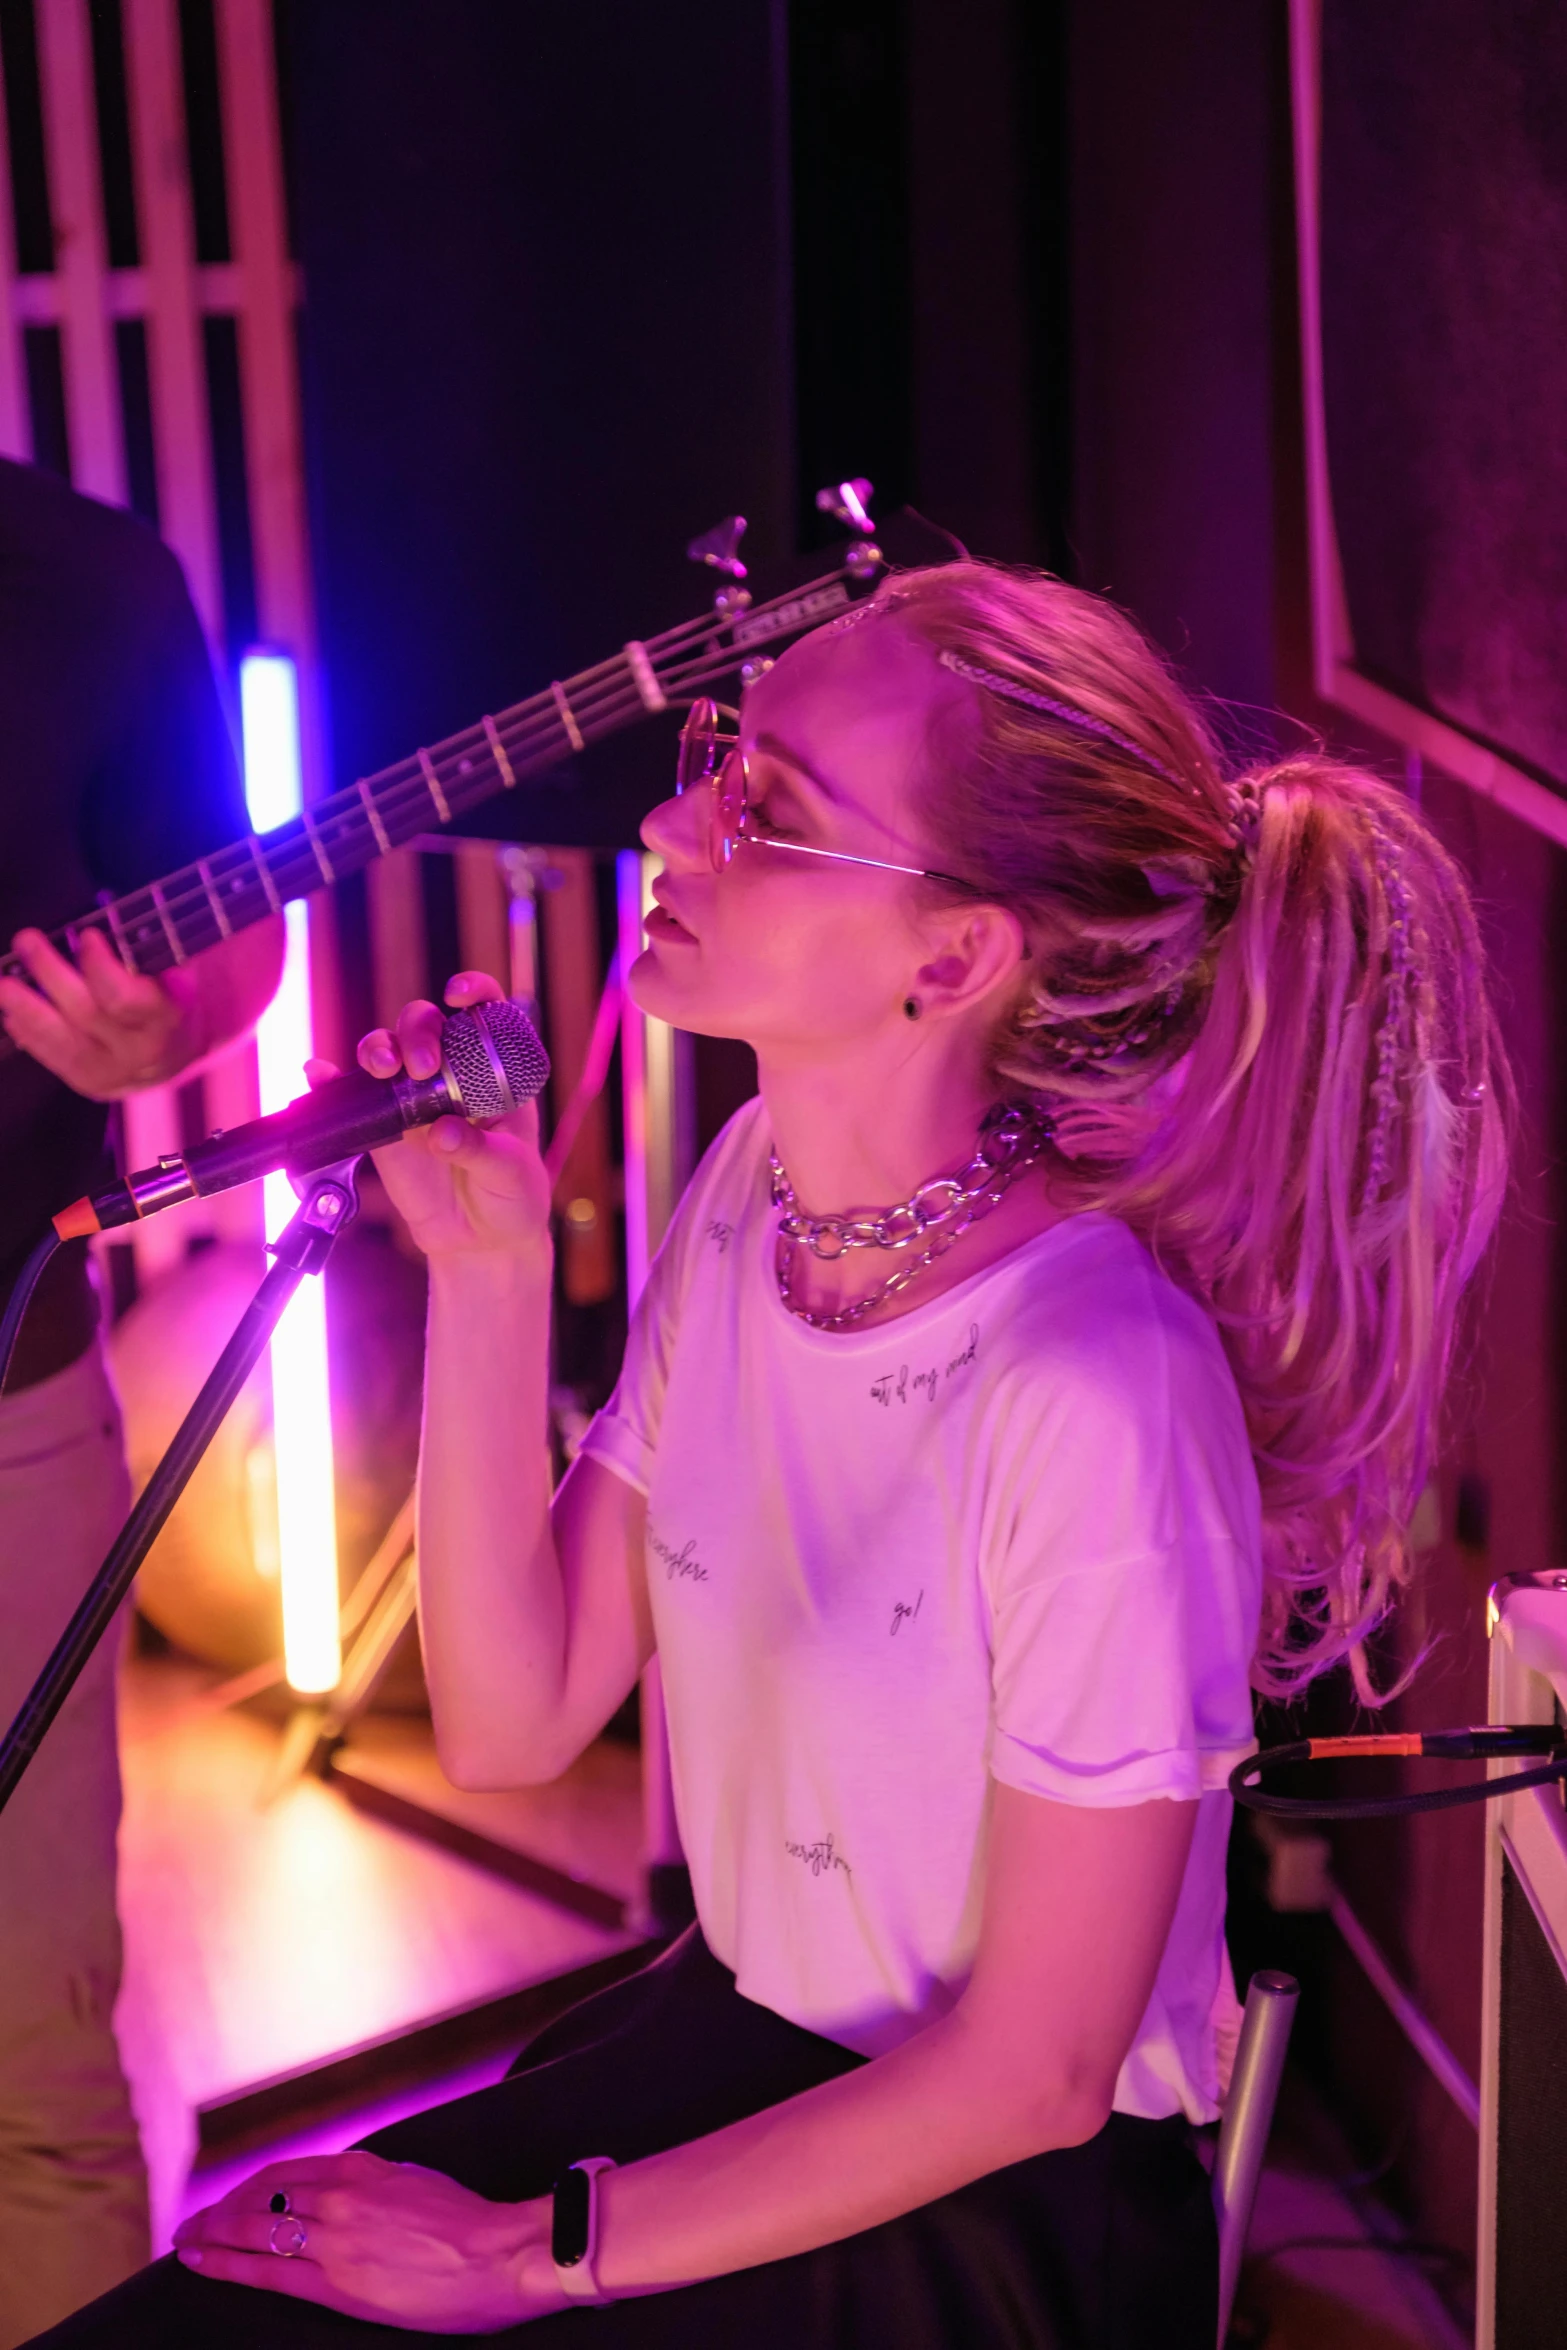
{"x": 386, "y": 2241}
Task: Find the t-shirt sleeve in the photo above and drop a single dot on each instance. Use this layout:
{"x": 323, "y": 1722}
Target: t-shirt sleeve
{"x": 1124, "y": 1607}
{"x": 167, "y": 789}
{"x": 624, "y": 1435}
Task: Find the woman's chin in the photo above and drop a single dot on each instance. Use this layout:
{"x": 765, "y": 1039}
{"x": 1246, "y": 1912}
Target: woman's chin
{"x": 662, "y": 989}
{"x": 649, "y": 985}
{"x": 657, "y": 990}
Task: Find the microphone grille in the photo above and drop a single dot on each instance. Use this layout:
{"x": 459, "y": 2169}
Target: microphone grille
{"x": 495, "y": 1058}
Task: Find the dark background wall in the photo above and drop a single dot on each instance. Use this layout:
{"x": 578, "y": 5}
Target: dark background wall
{"x": 578, "y": 281}
{"x": 1444, "y": 227}
{"x": 546, "y": 340}
{"x": 1178, "y": 120}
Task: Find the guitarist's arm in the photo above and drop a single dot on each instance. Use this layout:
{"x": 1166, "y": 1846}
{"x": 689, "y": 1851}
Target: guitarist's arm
{"x": 107, "y": 1031}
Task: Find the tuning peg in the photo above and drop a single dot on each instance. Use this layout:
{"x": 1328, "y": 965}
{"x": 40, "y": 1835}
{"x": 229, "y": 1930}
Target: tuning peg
{"x": 849, "y": 503}
{"x": 719, "y": 548}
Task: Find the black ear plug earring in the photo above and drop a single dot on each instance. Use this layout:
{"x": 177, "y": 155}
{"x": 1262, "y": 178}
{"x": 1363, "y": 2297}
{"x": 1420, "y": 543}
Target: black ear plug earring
{"x": 911, "y": 1007}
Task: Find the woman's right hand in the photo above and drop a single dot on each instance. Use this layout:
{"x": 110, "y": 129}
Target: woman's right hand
{"x": 463, "y": 1190}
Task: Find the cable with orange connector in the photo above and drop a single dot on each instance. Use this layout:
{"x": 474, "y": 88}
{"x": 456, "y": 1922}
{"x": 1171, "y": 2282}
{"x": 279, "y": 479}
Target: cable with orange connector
{"x": 1486, "y": 1743}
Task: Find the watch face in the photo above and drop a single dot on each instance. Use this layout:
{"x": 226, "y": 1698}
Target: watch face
{"x": 569, "y": 2225}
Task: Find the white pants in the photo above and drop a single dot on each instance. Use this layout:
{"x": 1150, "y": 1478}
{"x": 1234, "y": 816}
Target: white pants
{"x": 73, "y": 2198}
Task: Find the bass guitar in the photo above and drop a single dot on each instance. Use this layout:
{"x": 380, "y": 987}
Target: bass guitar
{"x": 168, "y": 921}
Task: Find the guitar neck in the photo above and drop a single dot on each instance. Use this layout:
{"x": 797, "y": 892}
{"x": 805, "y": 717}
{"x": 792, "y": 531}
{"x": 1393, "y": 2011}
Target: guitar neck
{"x": 169, "y": 921}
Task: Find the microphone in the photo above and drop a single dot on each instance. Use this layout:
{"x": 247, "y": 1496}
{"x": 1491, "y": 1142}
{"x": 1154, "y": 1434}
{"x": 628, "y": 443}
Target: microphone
{"x": 491, "y": 1062}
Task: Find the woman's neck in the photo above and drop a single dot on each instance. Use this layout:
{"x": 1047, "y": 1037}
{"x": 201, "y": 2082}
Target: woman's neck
{"x": 853, "y": 1137}
{"x": 863, "y": 1137}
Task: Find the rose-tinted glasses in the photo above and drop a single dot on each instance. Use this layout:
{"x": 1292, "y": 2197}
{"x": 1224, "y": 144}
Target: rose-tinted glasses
{"x": 710, "y": 753}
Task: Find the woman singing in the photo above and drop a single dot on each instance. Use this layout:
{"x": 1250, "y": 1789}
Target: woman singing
{"x": 1047, "y": 1358}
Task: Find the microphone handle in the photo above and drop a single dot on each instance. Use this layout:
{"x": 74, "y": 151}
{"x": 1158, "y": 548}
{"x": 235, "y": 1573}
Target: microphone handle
{"x": 337, "y": 1120}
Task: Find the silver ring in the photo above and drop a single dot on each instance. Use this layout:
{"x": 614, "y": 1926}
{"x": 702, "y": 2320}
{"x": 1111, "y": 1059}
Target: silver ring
{"x": 291, "y": 2250}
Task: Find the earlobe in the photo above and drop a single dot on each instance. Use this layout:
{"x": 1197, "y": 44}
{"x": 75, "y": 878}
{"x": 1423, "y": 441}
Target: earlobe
{"x": 988, "y": 949}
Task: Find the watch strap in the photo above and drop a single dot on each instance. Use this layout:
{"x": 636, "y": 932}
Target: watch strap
{"x": 574, "y": 2231}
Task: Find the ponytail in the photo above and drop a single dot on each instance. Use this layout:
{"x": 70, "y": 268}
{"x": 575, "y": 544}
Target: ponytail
{"x": 1257, "y": 1007}
{"x": 1328, "y": 1174}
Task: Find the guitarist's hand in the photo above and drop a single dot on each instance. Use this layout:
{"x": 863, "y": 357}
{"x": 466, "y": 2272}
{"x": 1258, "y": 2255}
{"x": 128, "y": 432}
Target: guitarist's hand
{"x": 463, "y": 1190}
{"x": 103, "y": 1029}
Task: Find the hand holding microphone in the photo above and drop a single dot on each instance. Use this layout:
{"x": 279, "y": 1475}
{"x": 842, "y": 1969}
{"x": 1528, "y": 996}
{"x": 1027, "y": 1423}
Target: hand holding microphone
{"x": 463, "y": 1190}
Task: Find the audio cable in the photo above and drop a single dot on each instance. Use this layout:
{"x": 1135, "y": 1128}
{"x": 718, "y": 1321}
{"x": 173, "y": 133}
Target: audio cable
{"x": 1485, "y": 1744}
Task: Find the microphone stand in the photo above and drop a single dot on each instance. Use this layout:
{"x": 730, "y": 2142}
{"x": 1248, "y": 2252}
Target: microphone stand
{"x": 328, "y": 1202}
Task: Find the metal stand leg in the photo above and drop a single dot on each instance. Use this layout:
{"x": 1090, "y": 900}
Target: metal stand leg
{"x": 315, "y": 1730}
{"x": 328, "y": 1204}
{"x": 1248, "y": 2117}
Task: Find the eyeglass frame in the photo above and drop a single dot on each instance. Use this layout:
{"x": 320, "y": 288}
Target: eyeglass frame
{"x": 722, "y": 842}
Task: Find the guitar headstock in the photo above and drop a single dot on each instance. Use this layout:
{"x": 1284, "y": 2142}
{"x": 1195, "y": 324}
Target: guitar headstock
{"x": 719, "y": 547}
{"x": 849, "y": 502}
{"x": 793, "y": 597}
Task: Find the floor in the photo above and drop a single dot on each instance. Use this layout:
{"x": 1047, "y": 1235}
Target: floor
{"x": 300, "y": 1972}
{"x": 270, "y": 1929}
{"x": 1322, "y": 2271}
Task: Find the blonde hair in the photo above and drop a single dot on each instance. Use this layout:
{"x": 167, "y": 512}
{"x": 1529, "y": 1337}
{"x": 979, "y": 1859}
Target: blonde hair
{"x": 1257, "y": 1007}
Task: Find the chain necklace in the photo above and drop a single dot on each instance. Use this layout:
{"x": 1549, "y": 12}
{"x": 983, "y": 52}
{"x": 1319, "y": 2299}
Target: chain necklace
{"x": 1010, "y": 1142}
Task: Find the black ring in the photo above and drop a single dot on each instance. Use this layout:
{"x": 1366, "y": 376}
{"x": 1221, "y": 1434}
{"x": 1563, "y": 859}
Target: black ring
{"x": 279, "y": 2202}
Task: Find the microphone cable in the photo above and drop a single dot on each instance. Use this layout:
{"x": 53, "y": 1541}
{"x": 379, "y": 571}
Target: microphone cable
{"x": 21, "y": 1298}
{"x": 1475, "y": 1745}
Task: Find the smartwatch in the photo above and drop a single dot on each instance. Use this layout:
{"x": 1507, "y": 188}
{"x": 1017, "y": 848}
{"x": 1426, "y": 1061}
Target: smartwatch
{"x": 574, "y": 2229}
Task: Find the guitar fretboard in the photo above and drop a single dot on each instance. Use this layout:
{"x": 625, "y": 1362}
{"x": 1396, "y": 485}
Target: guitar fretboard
{"x": 170, "y": 920}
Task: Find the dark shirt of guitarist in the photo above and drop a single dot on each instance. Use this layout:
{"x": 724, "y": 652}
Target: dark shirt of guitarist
{"x": 115, "y": 768}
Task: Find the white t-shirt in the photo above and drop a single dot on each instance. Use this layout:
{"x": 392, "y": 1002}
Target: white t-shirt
{"x": 1012, "y": 1535}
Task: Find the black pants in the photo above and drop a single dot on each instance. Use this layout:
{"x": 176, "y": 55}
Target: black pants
{"x": 1108, "y": 2246}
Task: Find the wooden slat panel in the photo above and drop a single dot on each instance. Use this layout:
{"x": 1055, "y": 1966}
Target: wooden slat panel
{"x": 180, "y": 421}
{"x": 399, "y": 953}
{"x": 233, "y": 1097}
{"x": 169, "y": 294}
{"x": 671, "y": 1103}
{"x": 274, "y": 459}
{"x": 152, "y": 1126}
{"x": 482, "y": 911}
{"x": 571, "y": 962}
{"x": 269, "y": 382}
{"x": 92, "y": 398}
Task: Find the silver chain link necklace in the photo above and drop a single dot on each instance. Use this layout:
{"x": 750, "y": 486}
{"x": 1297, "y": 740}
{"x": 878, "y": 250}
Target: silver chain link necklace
{"x": 1010, "y": 1142}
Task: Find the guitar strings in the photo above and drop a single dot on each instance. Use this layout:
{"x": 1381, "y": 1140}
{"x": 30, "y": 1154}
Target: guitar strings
{"x": 601, "y": 698}
{"x": 525, "y": 735}
{"x": 290, "y": 854}
{"x": 394, "y": 795}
